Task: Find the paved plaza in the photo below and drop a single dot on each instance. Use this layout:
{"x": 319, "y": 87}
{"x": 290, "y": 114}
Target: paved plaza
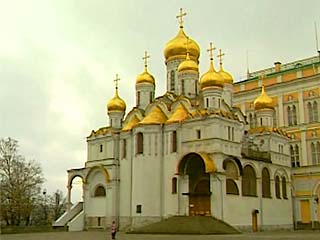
{"x": 308, "y": 235}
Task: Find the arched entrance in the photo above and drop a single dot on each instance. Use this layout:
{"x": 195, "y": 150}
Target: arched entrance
{"x": 198, "y": 170}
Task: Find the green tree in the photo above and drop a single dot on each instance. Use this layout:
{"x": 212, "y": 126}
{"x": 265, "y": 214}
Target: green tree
{"x": 20, "y": 184}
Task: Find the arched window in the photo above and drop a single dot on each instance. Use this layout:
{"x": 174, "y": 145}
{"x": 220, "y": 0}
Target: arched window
{"x": 182, "y": 86}
{"x": 174, "y": 185}
{"x": 232, "y": 175}
{"x": 275, "y": 119}
{"x": 297, "y": 156}
{"x": 207, "y": 102}
{"x": 249, "y": 184}
{"x": 139, "y": 139}
{"x": 232, "y": 187}
{"x": 315, "y": 152}
{"x": 100, "y": 191}
{"x": 289, "y": 113}
{"x": 138, "y": 98}
{"x": 266, "y": 193}
{"x": 124, "y": 148}
{"x": 315, "y": 111}
{"x": 150, "y": 97}
{"x": 294, "y": 115}
{"x": 172, "y": 81}
{"x": 294, "y": 154}
{"x": 174, "y": 141}
{"x": 251, "y": 121}
{"x": 277, "y": 186}
{"x": 310, "y": 112}
{"x": 284, "y": 188}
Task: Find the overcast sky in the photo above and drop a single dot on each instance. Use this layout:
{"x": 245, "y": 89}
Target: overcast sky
{"x": 58, "y": 60}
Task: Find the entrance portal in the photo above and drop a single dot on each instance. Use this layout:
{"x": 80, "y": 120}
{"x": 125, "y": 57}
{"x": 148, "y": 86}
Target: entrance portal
{"x": 199, "y": 184}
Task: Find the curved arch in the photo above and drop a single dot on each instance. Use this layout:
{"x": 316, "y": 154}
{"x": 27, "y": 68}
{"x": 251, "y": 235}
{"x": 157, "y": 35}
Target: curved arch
{"x": 256, "y": 170}
{"x": 102, "y": 169}
{"x": 209, "y": 164}
{"x": 99, "y": 191}
{"x": 236, "y": 161}
{"x": 249, "y": 181}
{"x": 316, "y": 189}
{"x": 265, "y": 180}
{"x": 73, "y": 176}
{"x": 281, "y": 172}
{"x": 277, "y": 186}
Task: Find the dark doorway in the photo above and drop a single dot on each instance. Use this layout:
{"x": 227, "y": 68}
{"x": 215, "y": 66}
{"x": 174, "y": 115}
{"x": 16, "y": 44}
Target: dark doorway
{"x": 199, "y": 185}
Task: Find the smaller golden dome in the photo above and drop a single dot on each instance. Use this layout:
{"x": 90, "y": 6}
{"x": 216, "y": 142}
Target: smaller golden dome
{"x": 116, "y": 104}
{"x": 227, "y": 78}
{"x": 176, "y": 48}
{"x": 263, "y": 101}
{"x": 188, "y": 65}
{"x": 145, "y": 77}
{"x": 211, "y": 78}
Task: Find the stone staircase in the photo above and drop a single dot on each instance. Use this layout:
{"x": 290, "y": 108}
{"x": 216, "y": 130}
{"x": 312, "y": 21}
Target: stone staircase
{"x": 187, "y": 225}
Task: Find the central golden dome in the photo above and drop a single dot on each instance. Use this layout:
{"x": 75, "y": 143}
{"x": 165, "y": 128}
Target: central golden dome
{"x": 145, "y": 77}
{"x": 176, "y": 47}
{"x": 116, "y": 104}
{"x": 263, "y": 101}
{"x": 211, "y": 78}
{"x": 188, "y": 65}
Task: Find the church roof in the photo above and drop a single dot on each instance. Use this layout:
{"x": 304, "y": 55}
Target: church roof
{"x": 155, "y": 116}
{"x": 100, "y": 131}
{"x": 269, "y": 129}
{"x": 133, "y": 122}
{"x": 180, "y": 114}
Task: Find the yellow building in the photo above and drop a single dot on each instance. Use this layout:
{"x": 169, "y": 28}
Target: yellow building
{"x": 294, "y": 88}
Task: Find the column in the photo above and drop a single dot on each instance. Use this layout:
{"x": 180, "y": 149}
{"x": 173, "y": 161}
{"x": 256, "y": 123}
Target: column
{"x": 304, "y": 151}
{"x": 183, "y": 197}
{"x": 280, "y": 111}
{"x": 301, "y": 107}
{"x": 69, "y": 204}
{"x": 217, "y": 189}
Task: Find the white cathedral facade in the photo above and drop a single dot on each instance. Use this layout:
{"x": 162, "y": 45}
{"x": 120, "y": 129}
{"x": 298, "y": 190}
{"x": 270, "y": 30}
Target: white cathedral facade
{"x": 188, "y": 152}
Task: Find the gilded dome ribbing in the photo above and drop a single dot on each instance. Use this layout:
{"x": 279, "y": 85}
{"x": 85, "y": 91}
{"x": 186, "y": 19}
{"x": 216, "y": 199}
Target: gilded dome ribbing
{"x": 116, "y": 104}
{"x": 263, "y": 101}
{"x": 211, "y": 78}
{"x": 176, "y": 48}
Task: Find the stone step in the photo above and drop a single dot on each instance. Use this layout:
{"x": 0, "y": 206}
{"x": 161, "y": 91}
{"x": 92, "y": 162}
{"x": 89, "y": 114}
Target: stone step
{"x": 187, "y": 225}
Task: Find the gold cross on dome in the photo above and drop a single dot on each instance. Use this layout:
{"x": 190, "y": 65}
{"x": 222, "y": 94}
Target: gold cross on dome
{"x": 117, "y": 80}
{"x": 210, "y": 50}
{"x": 180, "y": 16}
{"x": 145, "y": 58}
{"x": 220, "y": 55}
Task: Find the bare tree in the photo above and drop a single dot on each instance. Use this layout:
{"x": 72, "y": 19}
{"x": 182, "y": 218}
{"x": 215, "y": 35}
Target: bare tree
{"x": 20, "y": 184}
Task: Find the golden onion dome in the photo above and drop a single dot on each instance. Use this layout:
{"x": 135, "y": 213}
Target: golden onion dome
{"x": 211, "y": 78}
{"x": 188, "y": 65}
{"x": 176, "y": 48}
{"x": 263, "y": 101}
{"x": 116, "y": 104}
{"x": 227, "y": 78}
{"x": 145, "y": 77}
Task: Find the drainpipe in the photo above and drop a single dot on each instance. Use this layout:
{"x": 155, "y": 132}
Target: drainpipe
{"x": 131, "y": 174}
{"x": 162, "y": 172}
{"x": 311, "y": 200}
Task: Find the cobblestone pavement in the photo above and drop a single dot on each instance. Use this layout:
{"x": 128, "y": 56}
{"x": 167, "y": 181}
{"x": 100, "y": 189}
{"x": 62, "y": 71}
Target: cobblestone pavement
{"x": 308, "y": 235}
